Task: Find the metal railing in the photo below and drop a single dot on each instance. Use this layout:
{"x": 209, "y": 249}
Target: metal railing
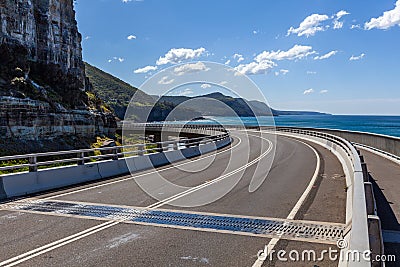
{"x": 32, "y": 162}
{"x": 358, "y": 219}
{"x": 186, "y": 128}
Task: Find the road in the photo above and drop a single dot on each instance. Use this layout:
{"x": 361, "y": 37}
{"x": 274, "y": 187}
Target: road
{"x": 116, "y": 222}
{"x": 385, "y": 175}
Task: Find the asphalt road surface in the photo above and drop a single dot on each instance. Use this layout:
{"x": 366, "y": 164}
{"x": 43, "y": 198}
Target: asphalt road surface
{"x": 165, "y": 216}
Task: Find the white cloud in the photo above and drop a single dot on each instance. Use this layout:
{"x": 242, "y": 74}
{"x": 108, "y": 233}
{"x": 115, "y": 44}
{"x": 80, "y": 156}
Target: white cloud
{"x": 185, "y": 92}
{"x": 261, "y": 67}
{"x": 205, "y": 86}
{"x": 164, "y": 80}
{"x": 145, "y": 69}
{"x": 238, "y": 57}
{"x": 127, "y": 1}
{"x": 87, "y": 37}
{"x": 223, "y": 83}
{"x": 311, "y": 72}
{"x": 177, "y": 55}
{"x": 120, "y": 59}
{"x": 309, "y": 26}
{"x": 131, "y": 37}
{"x": 265, "y": 60}
{"x": 227, "y": 62}
{"x": 357, "y": 57}
{"x": 282, "y": 71}
{"x": 341, "y": 13}
{"x": 308, "y": 91}
{"x": 255, "y": 32}
{"x": 190, "y": 68}
{"x": 388, "y": 19}
{"x": 296, "y": 52}
{"x": 323, "y": 91}
{"x": 327, "y": 55}
{"x": 337, "y": 24}
{"x": 355, "y": 26}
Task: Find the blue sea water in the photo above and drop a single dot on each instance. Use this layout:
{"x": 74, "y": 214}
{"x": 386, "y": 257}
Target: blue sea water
{"x": 388, "y": 125}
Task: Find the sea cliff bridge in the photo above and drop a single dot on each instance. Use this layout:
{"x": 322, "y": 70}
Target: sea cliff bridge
{"x": 290, "y": 189}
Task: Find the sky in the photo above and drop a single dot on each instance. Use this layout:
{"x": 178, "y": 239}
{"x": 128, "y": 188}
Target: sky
{"x": 334, "y": 56}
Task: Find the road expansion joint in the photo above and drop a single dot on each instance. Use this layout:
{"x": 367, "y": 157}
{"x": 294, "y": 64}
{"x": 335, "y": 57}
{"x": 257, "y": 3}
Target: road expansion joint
{"x": 308, "y": 231}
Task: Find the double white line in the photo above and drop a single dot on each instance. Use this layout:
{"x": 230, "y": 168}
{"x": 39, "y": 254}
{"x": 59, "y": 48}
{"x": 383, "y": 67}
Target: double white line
{"x": 59, "y": 243}
{"x": 208, "y": 183}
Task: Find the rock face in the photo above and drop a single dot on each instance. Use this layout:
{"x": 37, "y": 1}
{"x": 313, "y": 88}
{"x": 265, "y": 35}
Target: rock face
{"x": 36, "y": 120}
{"x": 43, "y": 87}
{"x": 41, "y": 38}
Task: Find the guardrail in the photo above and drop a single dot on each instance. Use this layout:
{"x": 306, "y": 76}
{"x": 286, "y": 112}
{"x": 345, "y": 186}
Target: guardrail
{"x": 80, "y": 166}
{"x": 82, "y": 156}
{"x": 364, "y": 230}
{"x": 388, "y": 144}
{"x": 379, "y": 152}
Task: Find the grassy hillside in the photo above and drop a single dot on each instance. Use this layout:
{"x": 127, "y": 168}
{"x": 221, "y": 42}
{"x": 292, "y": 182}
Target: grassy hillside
{"x": 113, "y": 91}
{"x": 117, "y": 94}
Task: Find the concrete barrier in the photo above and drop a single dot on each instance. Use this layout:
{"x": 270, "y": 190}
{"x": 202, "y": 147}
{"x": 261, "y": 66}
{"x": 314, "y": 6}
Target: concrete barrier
{"x": 385, "y": 143}
{"x": 359, "y": 238}
{"x": 19, "y": 184}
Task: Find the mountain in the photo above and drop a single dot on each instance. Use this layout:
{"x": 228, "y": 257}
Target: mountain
{"x": 300, "y": 113}
{"x": 117, "y": 94}
{"x": 217, "y": 104}
{"x": 257, "y": 105}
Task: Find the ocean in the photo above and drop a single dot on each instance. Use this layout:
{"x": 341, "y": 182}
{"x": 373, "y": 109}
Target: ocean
{"x": 387, "y": 125}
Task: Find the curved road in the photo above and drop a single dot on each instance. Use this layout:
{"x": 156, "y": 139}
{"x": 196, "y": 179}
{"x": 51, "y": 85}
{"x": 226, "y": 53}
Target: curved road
{"x": 216, "y": 184}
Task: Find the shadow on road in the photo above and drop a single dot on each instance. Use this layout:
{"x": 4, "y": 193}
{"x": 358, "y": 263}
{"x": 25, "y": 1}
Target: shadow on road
{"x": 388, "y": 220}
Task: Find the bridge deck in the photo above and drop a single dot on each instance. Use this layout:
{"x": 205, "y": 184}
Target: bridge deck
{"x": 385, "y": 176}
{"x": 64, "y": 235}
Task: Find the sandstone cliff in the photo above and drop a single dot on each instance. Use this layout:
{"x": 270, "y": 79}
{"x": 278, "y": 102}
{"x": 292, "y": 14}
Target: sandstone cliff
{"x": 44, "y": 92}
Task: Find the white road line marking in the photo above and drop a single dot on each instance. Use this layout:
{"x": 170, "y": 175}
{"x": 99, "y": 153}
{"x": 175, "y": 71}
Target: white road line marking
{"x": 272, "y": 243}
{"x": 194, "y": 189}
{"x": 36, "y": 252}
{"x": 49, "y": 247}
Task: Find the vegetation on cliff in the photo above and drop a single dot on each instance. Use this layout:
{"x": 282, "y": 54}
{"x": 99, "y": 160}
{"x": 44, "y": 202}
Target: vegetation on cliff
{"x": 118, "y": 94}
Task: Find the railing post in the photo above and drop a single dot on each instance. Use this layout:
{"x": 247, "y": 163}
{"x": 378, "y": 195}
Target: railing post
{"x": 33, "y": 161}
{"x": 81, "y": 155}
{"x": 140, "y": 150}
{"x": 164, "y": 147}
{"x": 159, "y": 147}
{"x": 115, "y": 151}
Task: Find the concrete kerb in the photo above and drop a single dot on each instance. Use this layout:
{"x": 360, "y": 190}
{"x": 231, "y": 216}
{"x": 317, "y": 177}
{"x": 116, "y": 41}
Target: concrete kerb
{"x": 24, "y": 183}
